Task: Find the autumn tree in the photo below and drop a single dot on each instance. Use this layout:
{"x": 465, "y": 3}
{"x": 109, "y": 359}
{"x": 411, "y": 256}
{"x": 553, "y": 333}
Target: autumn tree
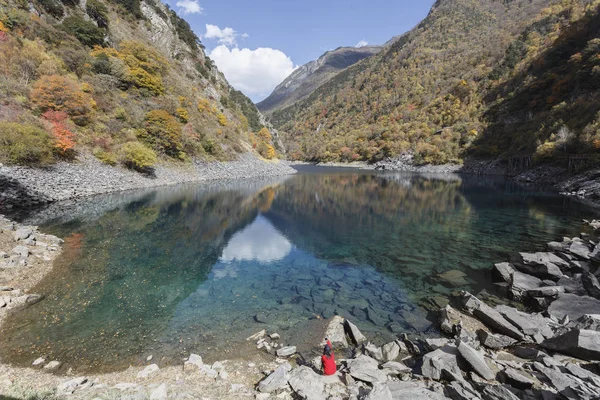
{"x": 60, "y": 93}
{"x": 163, "y": 133}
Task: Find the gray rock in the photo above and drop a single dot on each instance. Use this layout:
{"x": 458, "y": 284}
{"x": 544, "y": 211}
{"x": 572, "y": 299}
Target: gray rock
{"x": 71, "y": 385}
{"x": 307, "y": 384}
{"x": 580, "y": 249}
{"x": 588, "y": 321}
{"x": 546, "y": 291}
{"x": 574, "y": 306}
{"x": 516, "y": 379}
{"x": 390, "y": 351}
{"x": 354, "y": 333}
{"x": 559, "y": 380}
{"x": 490, "y": 317}
{"x": 366, "y": 369}
{"x": 160, "y": 393}
{"x": 434, "y": 344}
{"x": 580, "y": 343}
{"x": 498, "y": 392}
{"x": 193, "y": 362}
{"x": 23, "y": 233}
{"x": 380, "y": 392}
{"x": 441, "y": 359}
{"x": 523, "y": 283}
{"x": 584, "y": 374}
{"x": 494, "y": 342}
{"x": 374, "y": 352}
{"x": 286, "y": 351}
{"x": 149, "y": 370}
{"x": 542, "y": 265}
{"x": 529, "y": 324}
{"x": 475, "y": 360}
{"x": 38, "y": 361}
{"x": 277, "y": 380}
{"x": 397, "y": 367}
{"x": 591, "y": 284}
{"x": 335, "y": 332}
{"x": 413, "y": 391}
{"x": 461, "y": 390}
{"x": 21, "y": 251}
{"x": 572, "y": 285}
{"x": 53, "y": 365}
{"x": 503, "y": 272}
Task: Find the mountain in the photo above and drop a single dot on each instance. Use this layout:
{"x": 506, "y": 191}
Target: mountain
{"x": 304, "y": 80}
{"x": 474, "y": 78}
{"x": 125, "y": 80}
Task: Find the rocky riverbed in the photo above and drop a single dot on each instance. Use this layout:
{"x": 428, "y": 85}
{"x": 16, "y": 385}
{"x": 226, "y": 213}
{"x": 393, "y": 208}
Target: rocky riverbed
{"x": 29, "y": 187}
{"x": 545, "y": 346}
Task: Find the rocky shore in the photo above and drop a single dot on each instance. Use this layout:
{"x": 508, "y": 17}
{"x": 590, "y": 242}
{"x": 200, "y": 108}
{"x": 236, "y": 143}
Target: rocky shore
{"x": 29, "y": 187}
{"x": 547, "y": 347}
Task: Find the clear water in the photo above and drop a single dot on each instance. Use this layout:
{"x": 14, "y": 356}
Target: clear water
{"x": 200, "y": 268}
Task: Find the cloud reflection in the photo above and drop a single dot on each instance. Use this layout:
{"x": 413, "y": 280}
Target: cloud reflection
{"x": 258, "y": 242}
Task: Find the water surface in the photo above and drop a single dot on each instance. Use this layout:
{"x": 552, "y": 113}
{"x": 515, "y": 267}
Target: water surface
{"x": 199, "y": 268}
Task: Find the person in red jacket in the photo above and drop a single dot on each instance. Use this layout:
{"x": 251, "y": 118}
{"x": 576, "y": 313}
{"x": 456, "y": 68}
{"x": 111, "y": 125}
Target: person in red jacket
{"x": 328, "y": 359}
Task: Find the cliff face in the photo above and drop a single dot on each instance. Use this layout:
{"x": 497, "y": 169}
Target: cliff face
{"x": 125, "y": 80}
{"x": 304, "y": 80}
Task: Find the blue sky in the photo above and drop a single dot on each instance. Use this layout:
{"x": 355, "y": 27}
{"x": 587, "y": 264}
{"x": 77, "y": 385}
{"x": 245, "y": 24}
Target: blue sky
{"x": 267, "y": 39}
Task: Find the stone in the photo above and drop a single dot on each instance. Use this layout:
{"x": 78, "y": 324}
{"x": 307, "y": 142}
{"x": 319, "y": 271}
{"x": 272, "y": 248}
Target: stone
{"x": 434, "y": 344}
{"x": 454, "y": 278}
{"x": 366, "y": 369}
{"x": 580, "y": 249}
{"x": 380, "y": 391}
{"x": 498, "y": 392}
{"x": 274, "y": 336}
{"x": 572, "y": 285}
{"x": 307, "y": 384}
{"x": 475, "y": 360}
{"x": 542, "y": 265}
{"x": 450, "y": 319}
{"x": 461, "y": 390}
{"x": 559, "y": 380}
{"x": 277, "y": 380}
{"x": 523, "y": 283}
{"x": 354, "y": 333}
{"x": 70, "y": 386}
{"x": 335, "y": 332}
{"x": 160, "y": 393}
{"x": 286, "y": 351}
{"x": 591, "y": 284}
{"x": 374, "y": 352}
{"x": 574, "y": 306}
{"x": 587, "y": 321}
{"x": 503, "y": 272}
{"x": 494, "y": 341}
{"x": 582, "y": 373}
{"x": 149, "y": 370}
{"x": 390, "y": 351}
{"x": 441, "y": 359}
{"x": 397, "y": 367}
{"x": 516, "y": 379}
{"x": 52, "y": 365}
{"x": 529, "y": 324}
{"x": 21, "y": 251}
{"x": 581, "y": 343}
{"x": 413, "y": 391}
{"x": 39, "y": 361}
{"x": 546, "y": 291}
{"x": 490, "y": 317}
{"x": 23, "y": 233}
{"x": 257, "y": 335}
{"x": 193, "y": 362}
{"x": 217, "y": 366}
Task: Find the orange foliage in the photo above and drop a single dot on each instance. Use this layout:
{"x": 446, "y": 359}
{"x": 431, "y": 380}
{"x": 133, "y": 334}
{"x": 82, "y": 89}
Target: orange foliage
{"x": 60, "y": 93}
{"x": 65, "y": 139}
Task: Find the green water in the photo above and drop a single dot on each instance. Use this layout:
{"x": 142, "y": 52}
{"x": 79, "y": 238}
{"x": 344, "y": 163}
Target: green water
{"x": 200, "y": 268}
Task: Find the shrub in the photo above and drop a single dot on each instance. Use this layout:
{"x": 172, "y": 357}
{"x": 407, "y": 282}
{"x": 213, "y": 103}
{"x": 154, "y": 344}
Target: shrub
{"x": 163, "y": 133}
{"x": 266, "y": 150}
{"x": 98, "y": 12}
{"x": 85, "y": 31}
{"x": 222, "y": 119}
{"x": 53, "y": 8}
{"x": 25, "y": 144}
{"x": 182, "y": 114}
{"x": 65, "y": 139}
{"x": 105, "y": 157}
{"x": 137, "y": 156}
{"x": 60, "y": 93}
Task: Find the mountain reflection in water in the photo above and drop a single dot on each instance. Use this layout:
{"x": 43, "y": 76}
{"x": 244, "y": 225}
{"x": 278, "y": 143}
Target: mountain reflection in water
{"x": 199, "y": 268}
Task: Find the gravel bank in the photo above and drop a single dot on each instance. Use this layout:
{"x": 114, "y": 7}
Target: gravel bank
{"x": 27, "y": 187}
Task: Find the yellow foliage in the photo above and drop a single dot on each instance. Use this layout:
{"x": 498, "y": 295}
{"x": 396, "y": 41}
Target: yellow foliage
{"x": 182, "y": 114}
{"x": 222, "y": 119}
{"x": 205, "y": 106}
{"x": 3, "y": 28}
{"x": 265, "y": 134}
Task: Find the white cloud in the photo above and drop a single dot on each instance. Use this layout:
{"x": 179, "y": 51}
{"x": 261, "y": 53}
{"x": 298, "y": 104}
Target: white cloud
{"x": 226, "y": 36}
{"x": 362, "y": 43}
{"x": 254, "y": 72}
{"x": 245, "y": 35}
{"x": 189, "y": 6}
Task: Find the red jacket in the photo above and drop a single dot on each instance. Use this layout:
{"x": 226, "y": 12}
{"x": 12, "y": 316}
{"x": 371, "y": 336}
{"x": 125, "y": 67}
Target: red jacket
{"x": 329, "y": 367}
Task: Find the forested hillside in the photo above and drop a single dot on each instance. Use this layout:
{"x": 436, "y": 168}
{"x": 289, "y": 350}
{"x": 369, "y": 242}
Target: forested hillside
{"x": 476, "y": 78}
{"x": 125, "y": 80}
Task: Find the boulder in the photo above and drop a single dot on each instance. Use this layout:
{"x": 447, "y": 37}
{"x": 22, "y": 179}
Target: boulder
{"x": 391, "y": 351}
{"x": 21, "y": 251}
{"x": 559, "y": 380}
{"x": 461, "y": 390}
{"x": 522, "y": 283}
{"x": 335, "y": 332}
{"x": 572, "y": 285}
{"x": 546, "y": 291}
{"x": 149, "y": 370}
{"x": 434, "y": 344}
{"x": 542, "y": 265}
{"x": 159, "y": 393}
{"x": 397, "y": 367}
{"x": 374, "y": 352}
{"x": 354, "y": 333}
{"x": 413, "y": 391}
{"x": 529, "y": 324}
{"x": 366, "y": 369}
{"x": 53, "y": 365}
{"x": 286, "y": 351}
{"x": 307, "y": 384}
{"x": 494, "y": 342}
{"x": 574, "y": 306}
{"x": 257, "y": 335}
{"x": 441, "y": 359}
{"x": 277, "y": 380}
{"x": 451, "y": 318}
{"x": 503, "y": 272}
{"x": 581, "y": 343}
{"x": 475, "y": 360}
{"x": 516, "y": 379}
{"x": 71, "y": 385}
{"x": 591, "y": 284}
{"x": 587, "y": 321}
{"x": 193, "y": 362}
{"x": 498, "y": 392}
{"x": 580, "y": 249}
{"x": 380, "y": 392}
{"x": 490, "y": 317}
{"x": 23, "y": 233}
